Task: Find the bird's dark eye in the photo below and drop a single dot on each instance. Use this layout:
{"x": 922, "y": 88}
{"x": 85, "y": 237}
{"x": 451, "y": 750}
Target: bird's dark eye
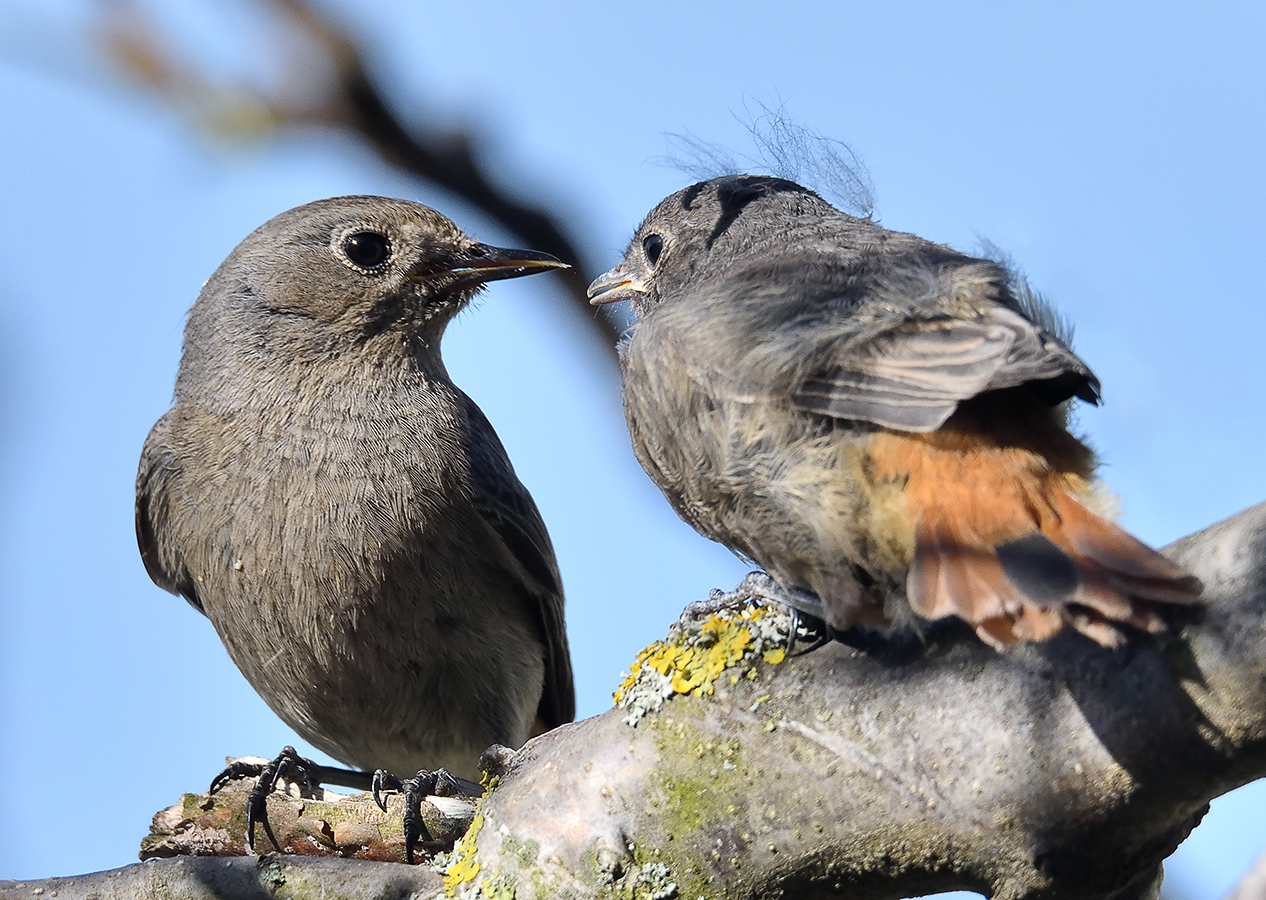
{"x": 367, "y": 249}
{"x": 653, "y": 244}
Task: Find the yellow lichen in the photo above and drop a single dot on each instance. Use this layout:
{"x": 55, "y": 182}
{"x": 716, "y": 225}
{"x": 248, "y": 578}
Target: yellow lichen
{"x": 694, "y": 654}
{"x": 466, "y": 866}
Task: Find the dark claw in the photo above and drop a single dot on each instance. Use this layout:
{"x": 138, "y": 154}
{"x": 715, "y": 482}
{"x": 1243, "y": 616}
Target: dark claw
{"x": 288, "y": 765}
{"x": 440, "y": 783}
{"x": 385, "y": 781}
{"x": 449, "y": 785}
{"x": 233, "y": 772}
{"x": 415, "y": 790}
{"x": 813, "y": 630}
{"x": 257, "y": 812}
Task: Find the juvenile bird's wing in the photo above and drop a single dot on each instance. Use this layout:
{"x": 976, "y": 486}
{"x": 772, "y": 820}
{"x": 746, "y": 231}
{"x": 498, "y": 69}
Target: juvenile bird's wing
{"x": 920, "y": 329}
{"x": 153, "y": 508}
{"x": 509, "y": 509}
{"x": 913, "y": 376}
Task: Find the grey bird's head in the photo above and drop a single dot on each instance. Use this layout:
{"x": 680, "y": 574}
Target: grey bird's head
{"x": 341, "y": 271}
{"x": 705, "y": 228}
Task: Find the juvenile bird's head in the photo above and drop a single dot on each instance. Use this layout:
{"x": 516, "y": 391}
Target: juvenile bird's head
{"x": 349, "y": 268}
{"x": 702, "y": 230}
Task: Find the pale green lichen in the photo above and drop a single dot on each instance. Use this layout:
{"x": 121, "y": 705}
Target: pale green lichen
{"x": 462, "y": 867}
{"x": 498, "y": 887}
{"x": 695, "y": 653}
{"x": 524, "y": 850}
{"x": 658, "y": 882}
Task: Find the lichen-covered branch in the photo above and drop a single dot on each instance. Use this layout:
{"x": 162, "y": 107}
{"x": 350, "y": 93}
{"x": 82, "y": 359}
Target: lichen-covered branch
{"x": 1061, "y": 770}
{"x": 308, "y": 823}
{"x": 1054, "y": 771}
{"x": 242, "y": 878}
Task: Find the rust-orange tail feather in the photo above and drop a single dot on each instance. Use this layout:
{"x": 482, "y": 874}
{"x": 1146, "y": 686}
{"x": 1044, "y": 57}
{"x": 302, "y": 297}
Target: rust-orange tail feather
{"x": 1000, "y": 541}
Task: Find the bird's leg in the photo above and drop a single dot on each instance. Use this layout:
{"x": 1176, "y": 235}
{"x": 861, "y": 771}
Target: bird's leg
{"x": 754, "y": 586}
{"x": 439, "y": 783}
{"x": 288, "y": 766}
{"x": 414, "y": 790}
{"x": 804, "y": 606}
{"x": 308, "y": 774}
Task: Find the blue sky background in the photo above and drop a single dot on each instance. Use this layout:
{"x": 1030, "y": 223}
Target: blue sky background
{"x": 1116, "y": 154}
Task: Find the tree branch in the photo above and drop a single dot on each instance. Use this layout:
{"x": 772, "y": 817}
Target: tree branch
{"x": 448, "y": 161}
{"x": 1059, "y": 770}
{"x": 1051, "y": 771}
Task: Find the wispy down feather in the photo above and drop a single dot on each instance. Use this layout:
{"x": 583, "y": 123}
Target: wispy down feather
{"x": 784, "y": 149}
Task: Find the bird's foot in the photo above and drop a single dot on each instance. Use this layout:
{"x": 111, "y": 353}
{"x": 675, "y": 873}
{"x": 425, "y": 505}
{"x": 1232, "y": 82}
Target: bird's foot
{"x": 439, "y": 783}
{"x": 808, "y": 630}
{"x": 804, "y": 606}
{"x": 754, "y": 586}
{"x": 288, "y": 766}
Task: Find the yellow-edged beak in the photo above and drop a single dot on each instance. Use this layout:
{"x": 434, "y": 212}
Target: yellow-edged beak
{"x": 614, "y": 286}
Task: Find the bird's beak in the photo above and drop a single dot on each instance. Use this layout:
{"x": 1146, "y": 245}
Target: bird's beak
{"x": 481, "y": 263}
{"x": 612, "y": 287}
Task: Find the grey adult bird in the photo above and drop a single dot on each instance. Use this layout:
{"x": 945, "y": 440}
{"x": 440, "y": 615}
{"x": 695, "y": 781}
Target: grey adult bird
{"x": 343, "y": 514}
{"x": 878, "y": 421}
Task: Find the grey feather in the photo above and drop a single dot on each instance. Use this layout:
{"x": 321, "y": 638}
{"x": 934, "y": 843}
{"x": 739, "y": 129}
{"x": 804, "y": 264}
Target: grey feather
{"x": 342, "y": 513}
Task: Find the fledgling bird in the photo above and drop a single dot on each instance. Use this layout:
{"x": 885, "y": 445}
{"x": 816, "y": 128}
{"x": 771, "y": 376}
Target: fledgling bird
{"x": 343, "y": 514}
{"x": 878, "y": 421}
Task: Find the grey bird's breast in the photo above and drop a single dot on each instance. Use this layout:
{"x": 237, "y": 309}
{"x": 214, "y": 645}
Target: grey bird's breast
{"x": 739, "y": 462}
{"x": 338, "y": 573}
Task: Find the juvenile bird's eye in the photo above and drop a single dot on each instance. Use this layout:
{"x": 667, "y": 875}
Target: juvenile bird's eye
{"x": 367, "y": 249}
{"x": 653, "y": 244}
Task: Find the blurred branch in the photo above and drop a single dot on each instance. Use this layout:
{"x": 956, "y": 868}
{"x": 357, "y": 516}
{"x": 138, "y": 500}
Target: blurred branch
{"x": 351, "y": 100}
{"x": 1253, "y": 885}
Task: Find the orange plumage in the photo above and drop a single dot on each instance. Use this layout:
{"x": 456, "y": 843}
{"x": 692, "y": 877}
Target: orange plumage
{"x": 981, "y": 490}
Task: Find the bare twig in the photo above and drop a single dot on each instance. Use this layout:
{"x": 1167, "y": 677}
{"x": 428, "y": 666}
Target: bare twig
{"x": 354, "y": 101}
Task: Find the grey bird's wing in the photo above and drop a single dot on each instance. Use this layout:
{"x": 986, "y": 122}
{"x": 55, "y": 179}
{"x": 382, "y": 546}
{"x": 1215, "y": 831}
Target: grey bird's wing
{"x": 913, "y": 376}
{"x": 162, "y": 561}
{"x": 508, "y": 508}
{"x": 881, "y": 327}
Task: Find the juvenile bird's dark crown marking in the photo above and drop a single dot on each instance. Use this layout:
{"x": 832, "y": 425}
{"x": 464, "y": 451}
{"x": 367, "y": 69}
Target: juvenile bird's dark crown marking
{"x": 736, "y": 193}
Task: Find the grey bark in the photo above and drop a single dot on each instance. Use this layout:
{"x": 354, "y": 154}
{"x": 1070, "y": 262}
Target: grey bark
{"x": 1049, "y": 772}
{"x": 240, "y": 878}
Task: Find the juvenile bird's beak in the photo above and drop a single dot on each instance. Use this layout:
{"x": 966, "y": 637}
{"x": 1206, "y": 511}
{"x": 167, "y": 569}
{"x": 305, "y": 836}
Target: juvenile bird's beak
{"x": 482, "y": 263}
{"x": 612, "y": 287}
